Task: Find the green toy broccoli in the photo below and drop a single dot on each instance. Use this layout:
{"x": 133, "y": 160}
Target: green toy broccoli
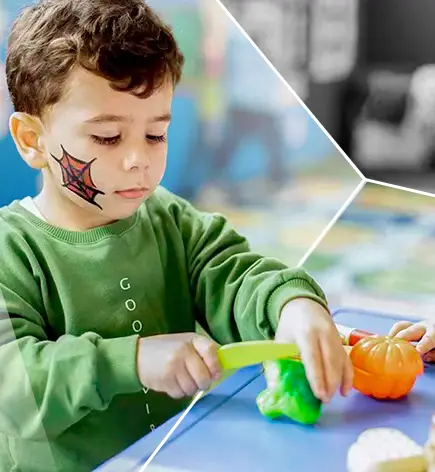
{"x": 288, "y": 393}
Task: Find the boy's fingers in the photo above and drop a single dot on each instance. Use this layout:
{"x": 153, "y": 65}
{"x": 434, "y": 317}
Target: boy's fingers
{"x": 414, "y": 332}
{"x": 312, "y": 358}
{"x": 186, "y": 382}
{"x": 427, "y": 342}
{"x": 332, "y": 369}
{"x": 207, "y": 349}
{"x": 429, "y": 357}
{"x": 198, "y": 371}
{"x": 399, "y": 326}
{"x": 347, "y": 380}
{"x": 174, "y": 390}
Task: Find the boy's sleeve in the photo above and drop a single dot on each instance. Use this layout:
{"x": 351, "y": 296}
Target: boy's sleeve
{"x": 239, "y": 294}
{"x": 47, "y": 386}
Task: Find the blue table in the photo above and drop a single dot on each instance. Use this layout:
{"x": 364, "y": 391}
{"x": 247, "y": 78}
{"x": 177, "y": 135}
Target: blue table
{"x": 225, "y": 432}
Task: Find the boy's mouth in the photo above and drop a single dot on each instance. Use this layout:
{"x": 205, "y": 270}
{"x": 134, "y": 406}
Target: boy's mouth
{"x": 132, "y": 193}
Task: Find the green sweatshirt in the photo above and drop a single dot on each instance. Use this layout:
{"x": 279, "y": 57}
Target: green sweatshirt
{"x": 73, "y": 304}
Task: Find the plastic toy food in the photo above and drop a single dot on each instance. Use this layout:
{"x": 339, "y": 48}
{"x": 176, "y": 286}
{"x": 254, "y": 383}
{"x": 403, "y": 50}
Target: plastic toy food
{"x": 385, "y": 367}
{"x": 288, "y": 393}
{"x": 385, "y": 450}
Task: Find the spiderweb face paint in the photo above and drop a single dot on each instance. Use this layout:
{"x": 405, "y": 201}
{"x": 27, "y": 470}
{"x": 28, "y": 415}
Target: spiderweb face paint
{"x": 76, "y": 176}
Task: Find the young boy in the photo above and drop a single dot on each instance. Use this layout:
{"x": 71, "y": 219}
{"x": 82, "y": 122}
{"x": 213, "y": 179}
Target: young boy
{"x": 105, "y": 273}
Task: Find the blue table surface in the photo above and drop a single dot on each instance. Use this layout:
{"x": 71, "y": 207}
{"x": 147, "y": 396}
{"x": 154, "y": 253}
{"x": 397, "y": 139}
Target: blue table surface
{"x": 225, "y": 431}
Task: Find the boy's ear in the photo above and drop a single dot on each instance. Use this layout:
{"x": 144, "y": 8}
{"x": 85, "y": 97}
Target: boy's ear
{"x": 27, "y": 134}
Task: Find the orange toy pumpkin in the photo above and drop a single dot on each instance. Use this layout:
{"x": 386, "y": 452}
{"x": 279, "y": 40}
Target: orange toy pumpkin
{"x": 385, "y": 367}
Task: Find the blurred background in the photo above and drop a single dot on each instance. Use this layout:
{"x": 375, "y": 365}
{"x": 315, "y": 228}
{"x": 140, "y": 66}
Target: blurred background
{"x": 366, "y": 69}
{"x": 241, "y": 143}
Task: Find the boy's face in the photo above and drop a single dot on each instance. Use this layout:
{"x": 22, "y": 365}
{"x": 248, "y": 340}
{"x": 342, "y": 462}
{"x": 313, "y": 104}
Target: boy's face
{"x": 103, "y": 150}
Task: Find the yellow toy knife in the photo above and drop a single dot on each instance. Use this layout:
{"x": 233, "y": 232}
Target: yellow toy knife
{"x": 238, "y": 355}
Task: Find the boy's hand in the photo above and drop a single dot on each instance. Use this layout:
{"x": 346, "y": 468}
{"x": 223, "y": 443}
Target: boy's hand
{"x": 177, "y": 364}
{"x": 327, "y": 365}
{"x": 423, "y": 333}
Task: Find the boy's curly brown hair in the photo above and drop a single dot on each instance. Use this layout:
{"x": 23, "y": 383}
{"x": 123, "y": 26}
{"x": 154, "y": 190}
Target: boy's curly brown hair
{"x": 123, "y": 41}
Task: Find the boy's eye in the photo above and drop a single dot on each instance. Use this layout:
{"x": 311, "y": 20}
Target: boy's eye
{"x": 112, "y": 140}
{"x": 106, "y": 141}
{"x": 156, "y": 139}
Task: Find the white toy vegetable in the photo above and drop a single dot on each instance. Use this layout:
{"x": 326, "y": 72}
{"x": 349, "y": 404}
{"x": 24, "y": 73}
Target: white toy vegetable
{"x": 430, "y": 447}
{"x": 385, "y": 450}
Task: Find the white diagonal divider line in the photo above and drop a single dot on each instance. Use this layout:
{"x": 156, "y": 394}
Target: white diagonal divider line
{"x": 333, "y": 221}
{"x": 398, "y": 187}
{"x": 301, "y": 102}
{"x": 165, "y": 439}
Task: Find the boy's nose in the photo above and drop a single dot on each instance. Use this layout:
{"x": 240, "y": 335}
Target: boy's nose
{"x": 139, "y": 160}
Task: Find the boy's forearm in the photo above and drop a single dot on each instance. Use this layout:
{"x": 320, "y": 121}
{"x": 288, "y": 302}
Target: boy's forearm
{"x": 241, "y": 294}
{"x": 253, "y": 302}
{"x": 46, "y": 387}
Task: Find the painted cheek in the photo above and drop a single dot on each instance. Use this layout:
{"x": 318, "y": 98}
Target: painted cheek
{"x": 77, "y": 177}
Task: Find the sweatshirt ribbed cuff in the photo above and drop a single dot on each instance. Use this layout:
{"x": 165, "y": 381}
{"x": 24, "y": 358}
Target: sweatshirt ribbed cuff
{"x": 291, "y": 290}
{"x": 118, "y": 367}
